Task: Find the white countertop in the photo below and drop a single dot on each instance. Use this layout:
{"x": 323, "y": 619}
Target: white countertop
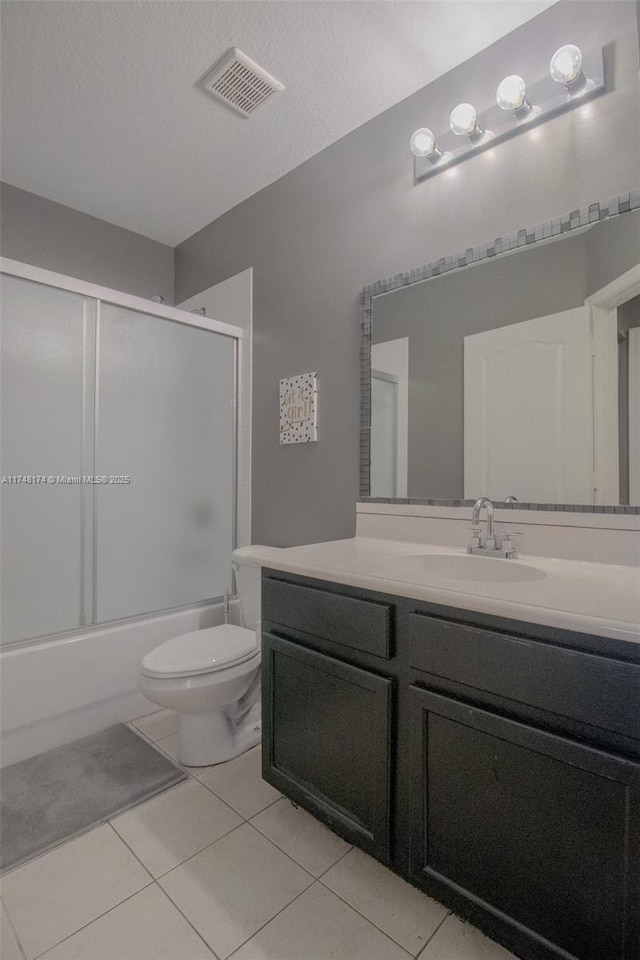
{"x": 596, "y": 598}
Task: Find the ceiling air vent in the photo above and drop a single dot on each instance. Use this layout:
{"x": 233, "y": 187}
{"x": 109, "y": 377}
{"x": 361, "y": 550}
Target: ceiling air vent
{"x": 240, "y": 82}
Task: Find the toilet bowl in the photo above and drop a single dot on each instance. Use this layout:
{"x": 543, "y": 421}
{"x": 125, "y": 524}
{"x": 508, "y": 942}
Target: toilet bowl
{"x": 211, "y": 678}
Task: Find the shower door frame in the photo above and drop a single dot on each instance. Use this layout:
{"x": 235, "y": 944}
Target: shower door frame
{"x": 100, "y": 295}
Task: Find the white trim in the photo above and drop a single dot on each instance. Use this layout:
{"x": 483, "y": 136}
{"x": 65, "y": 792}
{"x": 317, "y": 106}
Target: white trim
{"x": 603, "y": 306}
{"x": 623, "y": 288}
{"x": 634, "y": 416}
{"x": 29, "y": 272}
{"x": 606, "y": 454}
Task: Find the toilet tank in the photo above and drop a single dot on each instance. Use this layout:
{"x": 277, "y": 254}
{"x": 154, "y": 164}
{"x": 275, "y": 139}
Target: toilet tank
{"x": 248, "y": 586}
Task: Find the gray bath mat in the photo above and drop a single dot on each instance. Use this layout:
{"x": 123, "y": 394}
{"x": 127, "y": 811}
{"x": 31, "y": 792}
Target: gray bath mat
{"x": 63, "y": 792}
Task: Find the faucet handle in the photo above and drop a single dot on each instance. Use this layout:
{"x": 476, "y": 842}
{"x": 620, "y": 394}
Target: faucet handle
{"x": 474, "y": 540}
{"x": 505, "y": 543}
{"x": 502, "y": 534}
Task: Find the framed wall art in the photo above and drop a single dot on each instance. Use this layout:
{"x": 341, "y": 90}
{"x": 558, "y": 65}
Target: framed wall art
{"x": 299, "y": 409}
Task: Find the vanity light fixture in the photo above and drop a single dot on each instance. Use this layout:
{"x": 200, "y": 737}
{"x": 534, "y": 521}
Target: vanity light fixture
{"x": 519, "y": 104}
{"x": 423, "y": 144}
{"x": 464, "y": 122}
{"x": 566, "y": 67}
{"x": 512, "y": 95}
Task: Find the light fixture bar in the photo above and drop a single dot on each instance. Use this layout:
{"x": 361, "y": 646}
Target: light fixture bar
{"x": 546, "y": 97}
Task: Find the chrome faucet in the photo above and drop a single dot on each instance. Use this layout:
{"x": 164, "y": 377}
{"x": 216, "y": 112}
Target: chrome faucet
{"x": 475, "y": 520}
{"x": 499, "y": 544}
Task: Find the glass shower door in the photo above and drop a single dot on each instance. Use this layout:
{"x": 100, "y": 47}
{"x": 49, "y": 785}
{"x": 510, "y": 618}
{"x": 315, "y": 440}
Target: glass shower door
{"x": 165, "y": 459}
{"x": 46, "y": 422}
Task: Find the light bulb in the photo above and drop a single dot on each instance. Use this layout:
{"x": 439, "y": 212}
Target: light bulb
{"x": 566, "y": 64}
{"x": 423, "y": 142}
{"x": 512, "y": 94}
{"x": 463, "y": 121}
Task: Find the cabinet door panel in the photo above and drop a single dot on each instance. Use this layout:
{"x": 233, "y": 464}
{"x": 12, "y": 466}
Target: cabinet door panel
{"x": 543, "y": 830}
{"x": 326, "y": 739}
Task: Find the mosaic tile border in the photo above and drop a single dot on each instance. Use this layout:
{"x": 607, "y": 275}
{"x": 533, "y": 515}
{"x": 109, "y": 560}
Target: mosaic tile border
{"x": 501, "y": 505}
{"x": 602, "y": 210}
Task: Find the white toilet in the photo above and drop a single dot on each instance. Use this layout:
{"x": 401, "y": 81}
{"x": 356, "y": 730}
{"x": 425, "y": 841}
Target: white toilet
{"x": 211, "y": 677}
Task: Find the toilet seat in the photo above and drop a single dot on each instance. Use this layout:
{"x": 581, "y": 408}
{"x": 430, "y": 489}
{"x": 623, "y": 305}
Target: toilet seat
{"x": 201, "y": 652}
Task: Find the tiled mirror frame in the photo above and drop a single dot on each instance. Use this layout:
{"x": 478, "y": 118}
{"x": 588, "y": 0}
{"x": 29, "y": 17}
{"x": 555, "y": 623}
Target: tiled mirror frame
{"x": 600, "y": 210}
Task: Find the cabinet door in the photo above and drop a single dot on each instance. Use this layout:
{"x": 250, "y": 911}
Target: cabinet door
{"x": 537, "y": 831}
{"x": 326, "y": 731}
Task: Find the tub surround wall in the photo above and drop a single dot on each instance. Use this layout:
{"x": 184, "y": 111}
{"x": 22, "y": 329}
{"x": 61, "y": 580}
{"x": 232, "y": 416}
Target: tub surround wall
{"x": 351, "y": 213}
{"x": 49, "y": 235}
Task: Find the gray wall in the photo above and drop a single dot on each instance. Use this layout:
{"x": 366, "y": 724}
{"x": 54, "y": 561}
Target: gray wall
{"x": 437, "y": 314}
{"x": 351, "y": 215}
{"x": 58, "y": 238}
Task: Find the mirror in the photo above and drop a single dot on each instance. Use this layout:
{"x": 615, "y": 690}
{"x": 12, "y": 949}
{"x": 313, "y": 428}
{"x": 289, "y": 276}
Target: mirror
{"x": 517, "y": 376}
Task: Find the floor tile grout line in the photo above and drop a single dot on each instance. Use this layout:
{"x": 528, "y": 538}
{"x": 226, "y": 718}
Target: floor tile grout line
{"x": 388, "y": 935}
{"x": 443, "y": 921}
{"x": 267, "y": 922}
{"x": 182, "y": 783}
{"x": 145, "y": 716}
{"x": 88, "y": 924}
{"x": 290, "y": 855}
{"x": 340, "y": 858}
{"x": 163, "y": 737}
{"x": 431, "y": 936}
{"x": 186, "y": 918}
{"x": 132, "y": 852}
{"x": 83, "y": 832}
{"x": 156, "y": 744}
{"x": 244, "y": 823}
{"x": 161, "y": 876}
{"x": 246, "y": 819}
{"x": 222, "y": 800}
{"x": 13, "y": 928}
{"x": 206, "y": 847}
{"x": 217, "y": 795}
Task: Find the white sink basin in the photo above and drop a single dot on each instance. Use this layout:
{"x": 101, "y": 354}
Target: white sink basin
{"x": 466, "y": 567}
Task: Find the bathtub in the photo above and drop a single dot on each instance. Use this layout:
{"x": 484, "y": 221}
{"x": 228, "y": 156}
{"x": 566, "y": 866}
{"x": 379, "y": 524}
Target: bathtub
{"x": 58, "y": 690}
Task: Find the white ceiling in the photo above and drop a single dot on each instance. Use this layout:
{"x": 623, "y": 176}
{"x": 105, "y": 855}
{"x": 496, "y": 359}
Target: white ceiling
{"x": 100, "y": 108}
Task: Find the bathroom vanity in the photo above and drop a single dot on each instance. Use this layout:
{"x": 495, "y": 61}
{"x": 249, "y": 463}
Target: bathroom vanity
{"x": 491, "y": 761}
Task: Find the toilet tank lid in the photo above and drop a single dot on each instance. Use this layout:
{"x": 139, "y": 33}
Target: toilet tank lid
{"x": 202, "y": 651}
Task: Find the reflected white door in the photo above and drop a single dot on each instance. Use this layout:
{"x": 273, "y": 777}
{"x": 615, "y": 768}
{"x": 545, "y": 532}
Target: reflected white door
{"x": 528, "y": 410}
{"x": 634, "y": 416}
{"x": 384, "y": 444}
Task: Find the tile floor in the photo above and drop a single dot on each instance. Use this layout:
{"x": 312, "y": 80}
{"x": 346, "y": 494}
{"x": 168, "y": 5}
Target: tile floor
{"x": 221, "y": 866}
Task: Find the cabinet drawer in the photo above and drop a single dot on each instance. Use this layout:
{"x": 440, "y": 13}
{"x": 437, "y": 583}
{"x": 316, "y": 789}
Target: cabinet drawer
{"x": 581, "y": 686}
{"x": 360, "y": 624}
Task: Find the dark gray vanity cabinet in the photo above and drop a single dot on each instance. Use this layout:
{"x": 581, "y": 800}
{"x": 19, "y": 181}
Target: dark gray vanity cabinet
{"x": 495, "y": 764}
{"x": 327, "y": 723}
{"x": 534, "y": 828}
